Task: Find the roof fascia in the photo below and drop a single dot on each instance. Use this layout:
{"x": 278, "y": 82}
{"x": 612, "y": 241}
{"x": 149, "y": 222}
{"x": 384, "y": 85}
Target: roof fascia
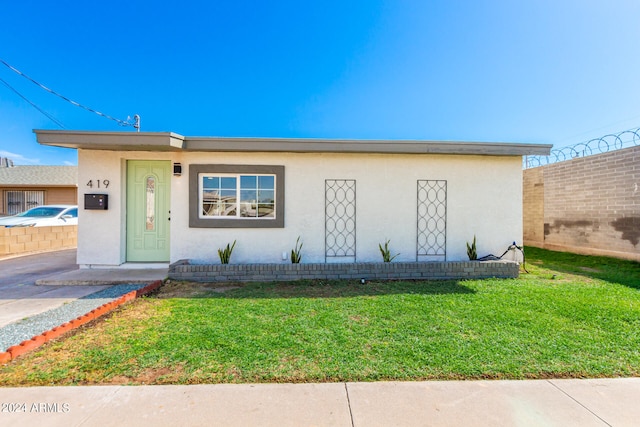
{"x": 363, "y": 146}
{"x": 168, "y": 141}
{"x": 112, "y": 141}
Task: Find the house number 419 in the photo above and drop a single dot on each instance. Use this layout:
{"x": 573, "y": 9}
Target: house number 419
{"x": 99, "y": 183}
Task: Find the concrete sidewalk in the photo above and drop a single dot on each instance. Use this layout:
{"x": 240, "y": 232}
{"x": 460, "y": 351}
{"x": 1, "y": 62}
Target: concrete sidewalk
{"x": 597, "y": 402}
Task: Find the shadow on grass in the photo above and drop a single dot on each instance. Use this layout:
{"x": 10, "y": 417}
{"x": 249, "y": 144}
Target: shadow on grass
{"x": 317, "y": 289}
{"x": 611, "y": 270}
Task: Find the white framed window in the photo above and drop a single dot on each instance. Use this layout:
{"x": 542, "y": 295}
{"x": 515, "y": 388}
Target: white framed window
{"x": 236, "y": 196}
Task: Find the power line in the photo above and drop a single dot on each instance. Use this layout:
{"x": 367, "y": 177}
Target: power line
{"x": 598, "y": 128}
{"x": 135, "y": 124}
{"x": 53, "y": 119}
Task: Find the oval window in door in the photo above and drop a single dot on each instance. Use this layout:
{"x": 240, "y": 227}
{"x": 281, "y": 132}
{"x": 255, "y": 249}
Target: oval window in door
{"x": 151, "y": 204}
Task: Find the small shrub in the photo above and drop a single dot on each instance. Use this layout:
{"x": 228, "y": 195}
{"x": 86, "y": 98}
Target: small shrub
{"x": 386, "y": 252}
{"x": 225, "y": 254}
{"x": 296, "y": 252}
{"x": 471, "y": 250}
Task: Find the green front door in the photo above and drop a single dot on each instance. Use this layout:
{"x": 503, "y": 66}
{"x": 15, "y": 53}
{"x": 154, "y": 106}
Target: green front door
{"x": 148, "y": 210}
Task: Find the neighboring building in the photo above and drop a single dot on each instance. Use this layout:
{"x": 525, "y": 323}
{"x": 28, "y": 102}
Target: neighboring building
{"x": 162, "y": 197}
{"x": 24, "y": 187}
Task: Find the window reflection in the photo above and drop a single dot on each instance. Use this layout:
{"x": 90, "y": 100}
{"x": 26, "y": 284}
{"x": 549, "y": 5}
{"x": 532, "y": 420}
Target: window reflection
{"x": 245, "y": 196}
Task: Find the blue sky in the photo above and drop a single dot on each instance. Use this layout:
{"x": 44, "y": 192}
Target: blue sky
{"x": 543, "y": 71}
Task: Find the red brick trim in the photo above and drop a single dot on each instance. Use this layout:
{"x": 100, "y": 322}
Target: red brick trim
{"x": 35, "y": 342}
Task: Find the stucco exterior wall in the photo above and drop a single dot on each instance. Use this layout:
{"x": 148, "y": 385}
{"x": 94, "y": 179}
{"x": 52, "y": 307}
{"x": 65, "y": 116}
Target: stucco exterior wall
{"x": 484, "y": 198}
{"x": 102, "y": 234}
{"x": 61, "y": 196}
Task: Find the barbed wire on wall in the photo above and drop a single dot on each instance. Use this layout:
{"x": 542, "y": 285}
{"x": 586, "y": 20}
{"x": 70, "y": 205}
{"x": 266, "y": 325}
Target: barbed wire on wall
{"x": 610, "y": 142}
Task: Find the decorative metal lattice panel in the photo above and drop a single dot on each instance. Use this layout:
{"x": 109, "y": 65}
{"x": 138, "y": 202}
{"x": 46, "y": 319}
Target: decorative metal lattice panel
{"x": 432, "y": 219}
{"x": 340, "y": 218}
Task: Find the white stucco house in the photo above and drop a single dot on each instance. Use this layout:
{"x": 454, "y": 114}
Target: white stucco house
{"x": 156, "y": 198}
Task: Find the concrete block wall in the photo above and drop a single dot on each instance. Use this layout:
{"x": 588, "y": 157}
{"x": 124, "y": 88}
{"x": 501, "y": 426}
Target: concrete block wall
{"x": 533, "y": 206}
{"x": 17, "y": 240}
{"x": 183, "y": 270}
{"x": 590, "y": 205}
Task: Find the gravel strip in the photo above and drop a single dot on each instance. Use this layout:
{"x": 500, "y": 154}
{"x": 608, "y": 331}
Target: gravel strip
{"x": 25, "y": 329}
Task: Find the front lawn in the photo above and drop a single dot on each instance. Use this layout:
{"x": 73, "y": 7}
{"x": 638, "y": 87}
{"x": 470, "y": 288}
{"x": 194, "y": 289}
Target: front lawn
{"x": 571, "y": 316}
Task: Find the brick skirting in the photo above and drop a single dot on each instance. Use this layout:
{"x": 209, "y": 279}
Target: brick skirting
{"x": 183, "y": 270}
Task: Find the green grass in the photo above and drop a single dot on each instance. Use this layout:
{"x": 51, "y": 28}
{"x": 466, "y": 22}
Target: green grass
{"x": 571, "y": 316}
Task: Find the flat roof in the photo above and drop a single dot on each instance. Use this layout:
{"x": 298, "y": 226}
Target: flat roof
{"x": 169, "y": 141}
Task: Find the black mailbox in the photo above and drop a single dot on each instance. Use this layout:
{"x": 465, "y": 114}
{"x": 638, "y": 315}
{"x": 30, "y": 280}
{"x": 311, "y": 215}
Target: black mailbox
{"x": 96, "y": 201}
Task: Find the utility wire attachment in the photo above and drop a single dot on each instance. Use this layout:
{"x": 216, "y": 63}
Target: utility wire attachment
{"x": 136, "y": 122}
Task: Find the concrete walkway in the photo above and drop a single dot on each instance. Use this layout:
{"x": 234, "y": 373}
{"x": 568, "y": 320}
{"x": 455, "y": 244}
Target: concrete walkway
{"x": 584, "y": 403}
{"x": 22, "y": 301}
{"x": 22, "y": 297}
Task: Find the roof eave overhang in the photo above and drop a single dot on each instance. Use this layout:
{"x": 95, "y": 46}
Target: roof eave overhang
{"x": 167, "y": 141}
{"x": 111, "y": 141}
{"x": 363, "y": 146}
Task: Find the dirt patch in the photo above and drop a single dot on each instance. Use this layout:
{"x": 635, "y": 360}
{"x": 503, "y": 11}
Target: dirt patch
{"x": 590, "y": 270}
{"x": 172, "y": 289}
{"x": 163, "y": 375}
